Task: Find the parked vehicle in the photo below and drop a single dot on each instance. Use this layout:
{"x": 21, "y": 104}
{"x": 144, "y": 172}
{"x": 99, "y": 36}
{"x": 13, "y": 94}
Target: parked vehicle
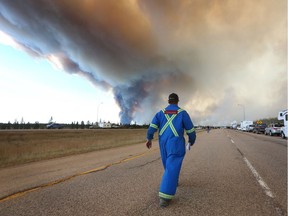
{"x": 283, "y": 115}
{"x": 54, "y": 126}
{"x": 259, "y": 128}
{"x": 273, "y": 129}
{"x": 250, "y": 128}
{"x": 234, "y": 125}
{"x": 244, "y": 124}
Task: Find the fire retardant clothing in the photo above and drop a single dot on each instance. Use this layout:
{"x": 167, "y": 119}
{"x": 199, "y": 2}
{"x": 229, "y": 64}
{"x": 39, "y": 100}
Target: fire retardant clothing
{"x": 171, "y": 123}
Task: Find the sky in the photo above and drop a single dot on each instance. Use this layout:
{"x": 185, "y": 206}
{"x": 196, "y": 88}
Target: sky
{"x": 34, "y": 90}
{"x": 119, "y": 60}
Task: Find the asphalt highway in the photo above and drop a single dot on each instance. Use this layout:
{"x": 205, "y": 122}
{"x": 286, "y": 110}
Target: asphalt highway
{"x": 226, "y": 172}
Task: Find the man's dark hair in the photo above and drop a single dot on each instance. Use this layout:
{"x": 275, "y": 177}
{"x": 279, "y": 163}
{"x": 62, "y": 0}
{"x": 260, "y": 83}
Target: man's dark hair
{"x": 173, "y": 98}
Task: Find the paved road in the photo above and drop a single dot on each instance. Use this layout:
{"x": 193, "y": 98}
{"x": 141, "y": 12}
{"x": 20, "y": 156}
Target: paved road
{"x": 226, "y": 173}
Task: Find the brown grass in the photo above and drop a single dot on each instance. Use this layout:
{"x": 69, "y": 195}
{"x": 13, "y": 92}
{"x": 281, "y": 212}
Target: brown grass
{"x": 20, "y": 146}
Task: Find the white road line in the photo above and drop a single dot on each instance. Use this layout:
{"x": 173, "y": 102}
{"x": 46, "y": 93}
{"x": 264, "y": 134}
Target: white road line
{"x": 259, "y": 178}
{"x": 256, "y": 174}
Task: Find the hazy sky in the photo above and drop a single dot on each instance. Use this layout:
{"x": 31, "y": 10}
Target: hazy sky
{"x": 63, "y": 58}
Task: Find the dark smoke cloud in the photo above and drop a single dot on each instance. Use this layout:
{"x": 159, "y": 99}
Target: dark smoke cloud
{"x": 214, "y": 54}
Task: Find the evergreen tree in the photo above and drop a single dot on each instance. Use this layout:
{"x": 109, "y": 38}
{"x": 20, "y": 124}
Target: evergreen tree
{"x": 82, "y": 125}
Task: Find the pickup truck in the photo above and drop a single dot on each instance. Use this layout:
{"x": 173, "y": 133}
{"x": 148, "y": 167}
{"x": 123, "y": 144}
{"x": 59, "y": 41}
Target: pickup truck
{"x": 273, "y": 129}
{"x": 259, "y": 128}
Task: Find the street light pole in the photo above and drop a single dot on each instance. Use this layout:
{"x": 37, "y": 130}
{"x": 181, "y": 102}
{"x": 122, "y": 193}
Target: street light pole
{"x": 243, "y": 110}
{"x": 98, "y": 112}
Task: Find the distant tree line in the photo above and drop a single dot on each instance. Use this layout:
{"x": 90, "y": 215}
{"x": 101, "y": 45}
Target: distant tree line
{"x": 88, "y": 125}
{"x": 22, "y": 125}
{"x": 74, "y": 125}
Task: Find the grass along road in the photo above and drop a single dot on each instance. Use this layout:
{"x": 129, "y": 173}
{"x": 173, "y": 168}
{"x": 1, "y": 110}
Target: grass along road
{"x": 23, "y": 146}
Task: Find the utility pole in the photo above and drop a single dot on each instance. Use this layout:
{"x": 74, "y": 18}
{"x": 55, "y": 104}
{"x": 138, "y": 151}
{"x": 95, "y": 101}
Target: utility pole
{"x": 98, "y": 113}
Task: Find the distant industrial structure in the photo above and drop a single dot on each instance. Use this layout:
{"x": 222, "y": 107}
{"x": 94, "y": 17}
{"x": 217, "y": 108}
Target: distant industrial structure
{"x": 105, "y": 124}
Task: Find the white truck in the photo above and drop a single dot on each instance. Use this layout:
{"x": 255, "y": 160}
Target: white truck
{"x": 245, "y": 124}
{"x": 234, "y": 124}
{"x": 283, "y": 115}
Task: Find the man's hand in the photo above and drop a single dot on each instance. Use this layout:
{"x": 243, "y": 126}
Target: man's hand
{"x": 149, "y": 144}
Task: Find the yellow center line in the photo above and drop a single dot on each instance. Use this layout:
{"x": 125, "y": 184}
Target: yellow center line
{"x": 22, "y": 193}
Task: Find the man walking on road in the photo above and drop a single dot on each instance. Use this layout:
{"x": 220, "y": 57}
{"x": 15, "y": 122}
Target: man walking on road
{"x": 171, "y": 123}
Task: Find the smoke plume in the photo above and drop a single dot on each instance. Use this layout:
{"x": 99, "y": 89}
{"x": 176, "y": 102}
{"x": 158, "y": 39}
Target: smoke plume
{"x": 214, "y": 54}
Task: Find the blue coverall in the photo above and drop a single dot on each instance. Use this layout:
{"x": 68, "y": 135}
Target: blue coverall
{"x": 171, "y": 123}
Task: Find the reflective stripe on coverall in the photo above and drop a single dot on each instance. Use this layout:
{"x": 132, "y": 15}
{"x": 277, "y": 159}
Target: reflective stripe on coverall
{"x": 172, "y": 145}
